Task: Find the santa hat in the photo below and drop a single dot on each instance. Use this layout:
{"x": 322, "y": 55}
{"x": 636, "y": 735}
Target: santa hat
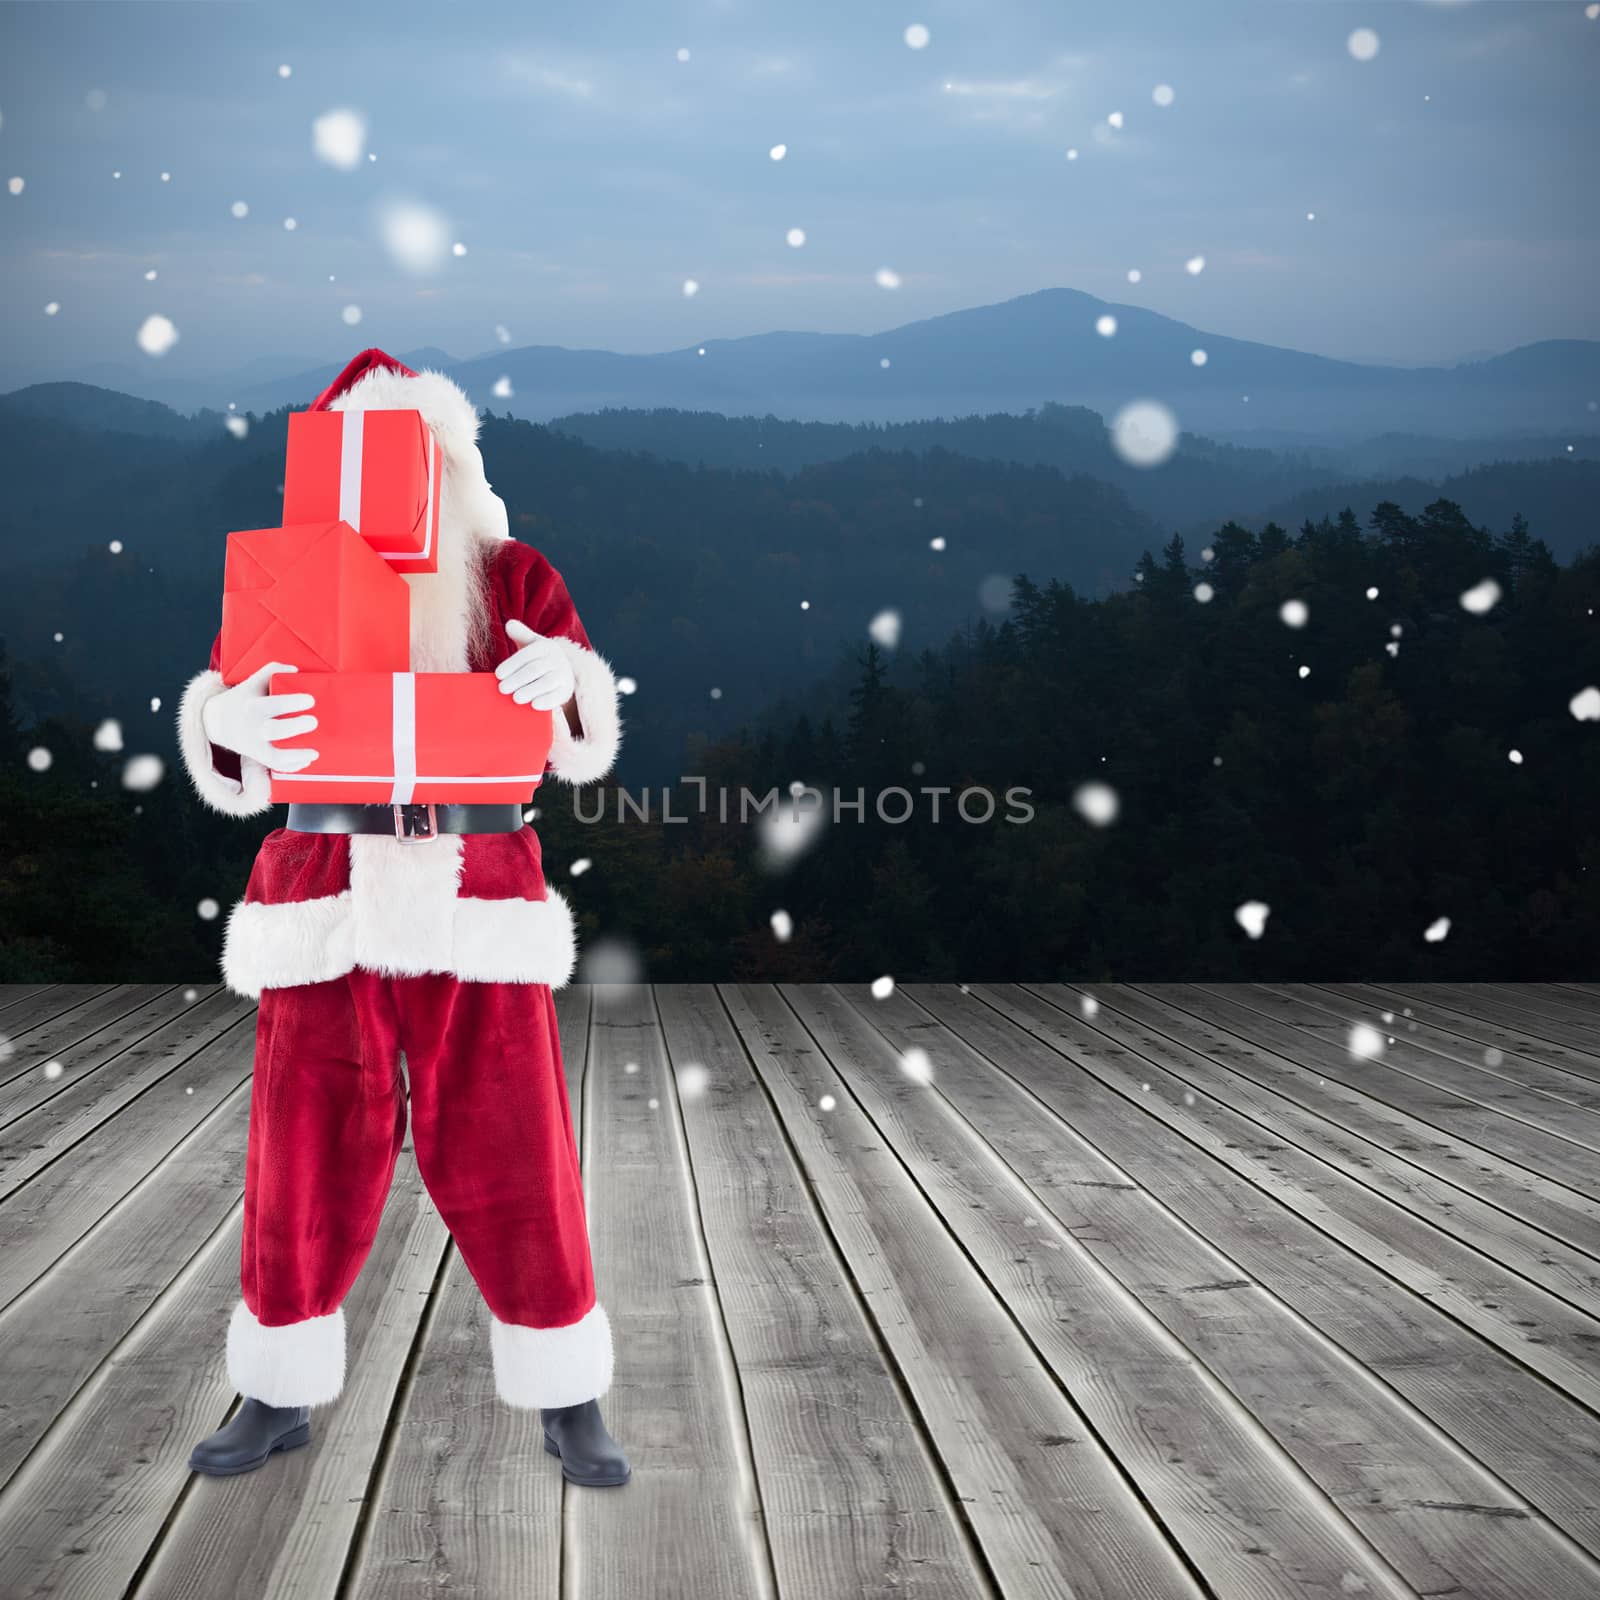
{"x": 375, "y": 381}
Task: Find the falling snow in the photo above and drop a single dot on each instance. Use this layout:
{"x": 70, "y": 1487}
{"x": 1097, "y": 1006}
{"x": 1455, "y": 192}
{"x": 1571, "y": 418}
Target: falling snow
{"x": 240, "y": 210}
{"x": 826, "y": 1103}
{"x": 691, "y": 287}
{"x": 1585, "y": 704}
{"x": 156, "y": 335}
{"x": 108, "y": 736}
{"x": 917, "y": 36}
{"x": 1097, "y": 803}
{"x": 917, "y": 1065}
{"x": 1372, "y": 592}
{"x": 778, "y": 152}
{"x": 416, "y": 236}
{"x": 1089, "y": 1006}
{"x": 350, "y": 316}
{"x": 882, "y": 987}
{"x": 1106, "y": 326}
{"x": 1163, "y": 94}
{"x": 1252, "y": 917}
{"x": 886, "y": 278}
{"x": 795, "y": 237}
{"x": 1145, "y": 433}
{"x": 237, "y": 426}
{"x": 208, "y": 910}
{"x": 1438, "y": 931}
{"x": 884, "y": 629}
{"x": 339, "y": 138}
{"x": 580, "y": 866}
{"x": 693, "y": 1080}
{"x": 53, "y": 1070}
{"x": 1194, "y": 266}
{"x": 1514, "y": 757}
{"x": 782, "y": 926}
{"x": 502, "y": 388}
{"x": 1481, "y": 598}
{"x": 1294, "y": 613}
{"x": 1204, "y": 593}
{"x": 1365, "y": 1043}
{"x": 1363, "y": 44}
{"x": 39, "y": 759}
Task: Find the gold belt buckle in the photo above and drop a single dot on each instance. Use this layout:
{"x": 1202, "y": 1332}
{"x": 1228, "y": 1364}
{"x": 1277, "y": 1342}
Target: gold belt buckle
{"x": 416, "y": 823}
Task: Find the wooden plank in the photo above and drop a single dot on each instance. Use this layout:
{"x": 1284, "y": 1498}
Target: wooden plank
{"x": 50, "y": 1000}
{"x": 1568, "y": 1006}
{"x": 1467, "y": 1119}
{"x": 689, "y": 1521}
{"x": 108, "y": 1505}
{"x": 854, "y": 1503}
{"x": 1470, "y": 1039}
{"x": 45, "y": 1217}
{"x": 1084, "y": 1151}
{"x": 1450, "y": 1186}
{"x": 61, "y": 1031}
{"x": 1518, "y": 1426}
{"x": 1048, "y": 1505}
{"x": 1241, "y": 1510}
{"x": 1404, "y": 1057}
{"x": 465, "y": 1501}
{"x": 119, "y": 1044}
{"x": 13, "y": 994}
{"x": 55, "y": 1337}
{"x": 34, "y": 1140}
{"x": 1467, "y": 1009}
{"x": 1531, "y": 1078}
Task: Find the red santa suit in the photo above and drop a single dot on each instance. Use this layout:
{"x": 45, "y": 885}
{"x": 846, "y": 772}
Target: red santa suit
{"x": 366, "y": 951}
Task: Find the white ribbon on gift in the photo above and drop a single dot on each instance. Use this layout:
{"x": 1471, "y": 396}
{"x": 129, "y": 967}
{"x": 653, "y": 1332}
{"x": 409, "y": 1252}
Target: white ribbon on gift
{"x": 352, "y": 442}
{"x": 404, "y": 779}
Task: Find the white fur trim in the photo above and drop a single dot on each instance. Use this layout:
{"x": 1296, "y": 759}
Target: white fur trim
{"x": 301, "y": 1364}
{"x": 222, "y": 793}
{"x": 311, "y": 941}
{"x": 515, "y": 941}
{"x": 279, "y": 946}
{"x": 552, "y": 1366}
{"x": 403, "y": 896}
{"x": 584, "y": 757}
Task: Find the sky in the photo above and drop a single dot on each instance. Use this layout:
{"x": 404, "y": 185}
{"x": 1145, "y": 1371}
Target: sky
{"x": 1431, "y": 202}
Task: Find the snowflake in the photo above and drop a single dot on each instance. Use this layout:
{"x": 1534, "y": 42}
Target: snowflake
{"x": 795, "y": 237}
{"x": 627, "y": 686}
{"x": 917, "y": 37}
{"x": 237, "y": 426}
{"x": 884, "y": 363}
{"x": 289, "y": 224}
{"x": 1194, "y": 266}
{"x": 1514, "y": 757}
{"x": 1135, "y": 275}
{"x": 240, "y": 210}
{"x": 882, "y": 987}
{"x": 108, "y": 736}
{"x": 777, "y": 152}
{"x": 52, "y": 307}
{"x": 884, "y": 629}
{"x": 416, "y": 237}
{"x": 1089, "y": 1006}
{"x": 1097, "y": 803}
{"x": 1481, "y": 598}
{"x": 1198, "y": 358}
{"x": 1106, "y": 325}
{"x": 1437, "y": 931}
{"x": 350, "y": 316}
{"x": 886, "y": 278}
{"x": 1252, "y": 917}
{"x": 15, "y": 185}
{"x": 1365, "y": 1043}
{"x": 826, "y": 1103}
{"x": 156, "y": 335}
{"x": 693, "y": 1080}
{"x": 53, "y": 1070}
{"x": 39, "y": 759}
{"x": 1363, "y": 44}
{"x": 458, "y": 249}
{"x": 1144, "y": 433}
{"x": 1163, "y": 94}
{"x": 1305, "y": 672}
{"x": 691, "y": 287}
{"x": 580, "y": 866}
{"x": 1372, "y": 592}
{"x": 502, "y": 333}
{"x": 1204, "y": 593}
{"x": 1294, "y": 613}
{"x": 782, "y": 926}
{"x": 917, "y": 1065}
{"x": 502, "y": 388}
{"x": 937, "y": 542}
{"x": 208, "y": 910}
{"x": 1585, "y": 704}
{"x": 339, "y": 137}
{"x": 1115, "y": 119}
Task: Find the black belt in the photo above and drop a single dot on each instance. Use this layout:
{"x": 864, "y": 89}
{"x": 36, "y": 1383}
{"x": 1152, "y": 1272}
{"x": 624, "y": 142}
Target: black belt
{"x": 415, "y": 822}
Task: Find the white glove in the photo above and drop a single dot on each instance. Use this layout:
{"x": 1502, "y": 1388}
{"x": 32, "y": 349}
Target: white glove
{"x": 539, "y": 674}
{"x": 246, "y": 719}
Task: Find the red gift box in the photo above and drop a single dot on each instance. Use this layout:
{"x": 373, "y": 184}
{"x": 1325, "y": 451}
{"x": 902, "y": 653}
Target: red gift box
{"x": 393, "y": 738}
{"x": 377, "y": 470}
{"x": 315, "y": 596}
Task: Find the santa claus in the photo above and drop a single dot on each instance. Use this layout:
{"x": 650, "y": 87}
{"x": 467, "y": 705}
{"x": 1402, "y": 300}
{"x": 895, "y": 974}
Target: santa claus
{"x": 408, "y": 953}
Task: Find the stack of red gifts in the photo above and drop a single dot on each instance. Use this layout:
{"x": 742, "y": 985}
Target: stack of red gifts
{"x": 324, "y": 594}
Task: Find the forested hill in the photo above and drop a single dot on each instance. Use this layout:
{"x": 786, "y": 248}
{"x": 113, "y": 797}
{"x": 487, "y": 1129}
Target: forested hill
{"x": 1554, "y": 481}
{"x": 745, "y": 583}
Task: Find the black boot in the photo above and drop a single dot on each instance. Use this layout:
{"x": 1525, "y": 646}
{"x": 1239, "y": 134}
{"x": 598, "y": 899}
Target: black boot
{"x": 589, "y": 1455}
{"x": 243, "y": 1443}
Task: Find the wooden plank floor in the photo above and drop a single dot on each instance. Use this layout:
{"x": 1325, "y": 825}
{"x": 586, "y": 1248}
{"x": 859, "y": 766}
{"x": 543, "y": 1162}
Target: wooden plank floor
{"x": 1004, "y": 1290}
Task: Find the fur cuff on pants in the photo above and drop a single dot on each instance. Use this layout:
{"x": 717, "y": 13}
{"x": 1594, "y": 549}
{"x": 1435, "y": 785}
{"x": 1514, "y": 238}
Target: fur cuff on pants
{"x": 300, "y": 1364}
{"x": 552, "y": 1366}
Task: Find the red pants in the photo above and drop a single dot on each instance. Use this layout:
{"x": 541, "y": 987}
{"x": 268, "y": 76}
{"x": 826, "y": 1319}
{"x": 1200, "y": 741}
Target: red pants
{"x": 493, "y": 1135}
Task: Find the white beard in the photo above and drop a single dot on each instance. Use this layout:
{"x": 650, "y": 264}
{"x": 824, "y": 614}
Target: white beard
{"x": 449, "y": 608}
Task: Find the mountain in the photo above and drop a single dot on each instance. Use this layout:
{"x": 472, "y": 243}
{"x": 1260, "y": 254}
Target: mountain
{"x": 1011, "y": 357}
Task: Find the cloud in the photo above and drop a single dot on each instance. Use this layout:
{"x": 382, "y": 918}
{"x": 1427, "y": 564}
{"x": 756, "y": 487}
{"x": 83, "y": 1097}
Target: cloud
{"x": 555, "y": 80}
